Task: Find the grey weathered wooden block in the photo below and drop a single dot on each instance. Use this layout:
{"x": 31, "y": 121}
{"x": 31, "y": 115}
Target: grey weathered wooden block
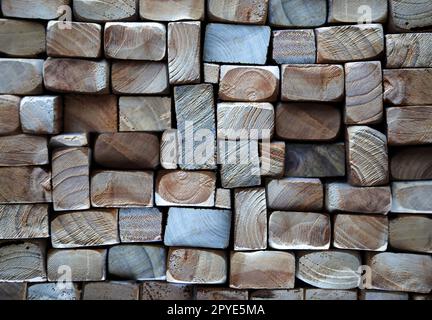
{"x": 112, "y": 290}
{"x": 52, "y": 291}
{"x": 172, "y": 10}
{"x": 408, "y": 232}
{"x": 238, "y": 11}
{"x": 294, "y": 46}
{"x": 357, "y": 11}
{"x": 105, "y": 10}
{"x": 158, "y": 290}
{"x": 412, "y": 197}
{"x": 10, "y": 291}
{"x": 409, "y": 50}
{"x": 24, "y": 76}
{"x": 206, "y": 293}
{"x": 69, "y": 140}
{"x": 406, "y": 15}
{"x": 223, "y": 198}
{"x": 277, "y": 294}
{"x": 41, "y": 115}
{"x": 23, "y": 150}
{"x": 297, "y": 13}
{"x": 272, "y": 158}
{"x": 9, "y": 114}
{"x": 169, "y": 156}
{"x": 34, "y": 9}
{"x": 330, "y": 294}
{"x": 140, "y": 225}
{"x": 211, "y": 73}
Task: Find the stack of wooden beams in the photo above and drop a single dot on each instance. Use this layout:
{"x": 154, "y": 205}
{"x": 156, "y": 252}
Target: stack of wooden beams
{"x": 219, "y": 149}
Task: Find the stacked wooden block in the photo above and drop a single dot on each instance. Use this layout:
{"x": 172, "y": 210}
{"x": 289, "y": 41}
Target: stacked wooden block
{"x": 192, "y": 149}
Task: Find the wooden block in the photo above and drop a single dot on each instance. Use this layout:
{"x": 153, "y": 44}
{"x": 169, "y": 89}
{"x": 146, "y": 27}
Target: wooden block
{"x": 137, "y": 262}
{"x": 24, "y": 221}
{"x": 196, "y": 132}
{"x": 401, "y": 272}
{"x": 121, "y": 189}
{"x": 357, "y": 11}
{"x": 238, "y": 11}
{"x": 223, "y": 198}
{"x": 23, "y": 150}
{"x": 156, "y": 290}
{"x": 411, "y": 164}
{"x": 421, "y": 296}
{"x": 244, "y": 83}
{"x": 311, "y": 82}
{"x": 295, "y": 194}
{"x": 184, "y": 52}
{"x": 245, "y": 120}
{"x": 211, "y": 73}
{"x": 331, "y": 295}
{"x": 21, "y": 38}
{"x": 9, "y": 114}
{"x": 145, "y": 113}
{"x": 315, "y": 161}
{"x": 70, "y": 181}
{"x": 53, "y": 291}
{"x": 113, "y": 290}
{"x": 294, "y": 46}
{"x": 299, "y": 231}
{"x": 69, "y": 140}
{"x": 262, "y": 270}
{"x": 66, "y": 75}
{"x": 308, "y": 121}
{"x": 364, "y": 93}
{"x": 202, "y": 228}
{"x": 169, "y": 149}
{"x": 216, "y": 294}
{"x": 24, "y": 76}
{"x": 136, "y": 77}
{"x": 409, "y": 125}
{"x": 105, "y": 10}
{"x": 272, "y": 158}
{"x": 236, "y": 43}
{"x": 250, "y": 224}
{"x": 131, "y": 150}
{"x": 408, "y": 86}
{"x": 412, "y": 197}
{"x": 367, "y": 157}
{"x": 85, "y": 229}
{"x": 33, "y": 9}
{"x": 342, "y": 197}
{"x": 172, "y": 10}
{"x": 348, "y": 43}
{"x": 382, "y": 295}
{"x": 25, "y": 185}
{"x": 240, "y": 164}
{"x": 13, "y": 291}
{"x": 135, "y": 41}
{"x": 41, "y": 115}
{"x": 22, "y": 262}
{"x": 196, "y": 266}
{"x": 297, "y": 13}
{"x": 140, "y": 225}
{"x": 84, "y": 113}
{"x": 293, "y": 294}
{"x": 85, "y": 264}
{"x": 329, "y": 269}
{"x": 409, "y": 50}
{"x": 359, "y": 232}
{"x": 406, "y": 15}
{"x": 411, "y": 233}
{"x": 185, "y": 188}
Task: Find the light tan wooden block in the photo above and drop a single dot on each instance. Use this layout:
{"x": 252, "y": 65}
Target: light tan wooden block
{"x": 105, "y": 10}
{"x": 255, "y": 84}
{"x": 23, "y": 150}
{"x": 294, "y": 46}
{"x": 216, "y": 294}
{"x": 69, "y": 140}
{"x": 41, "y": 115}
{"x": 135, "y": 41}
{"x": 272, "y": 158}
{"x": 53, "y": 292}
{"x": 409, "y": 50}
{"x": 71, "y": 182}
{"x": 113, "y": 290}
{"x": 24, "y": 76}
{"x": 367, "y": 157}
{"x": 211, "y": 73}
{"x": 364, "y": 93}
{"x": 21, "y": 38}
{"x": 407, "y": 15}
{"x": 24, "y": 221}
{"x": 238, "y": 11}
{"x": 297, "y": 13}
{"x": 311, "y": 82}
{"x": 120, "y": 189}
{"x": 348, "y": 43}
{"x": 223, "y": 198}
{"x": 412, "y": 197}
{"x": 382, "y": 295}
{"x": 411, "y": 233}
{"x": 33, "y": 9}
{"x": 331, "y": 295}
{"x": 66, "y": 75}
{"x": 9, "y": 114}
{"x": 169, "y": 150}
{"x": 196, "y": 266}
{"x": 140, "y": 225}
{"x": 13, "y": 291}
{"x": 262, "y": 270}
{"x": 91, "y": 228}
{"x": 172, "y": 10}
{"x": 357, "y": 11}
{"x": 184, "y": 52}
{"x": 157, "y": 290}
{"x": 278, "y": 294}
{"x": 185, "y": 188}
{"x": 413, "y": 163}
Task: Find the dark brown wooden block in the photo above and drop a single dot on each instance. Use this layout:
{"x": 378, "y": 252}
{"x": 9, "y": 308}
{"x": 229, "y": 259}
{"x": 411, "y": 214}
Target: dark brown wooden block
{"x": 411, "y": 164}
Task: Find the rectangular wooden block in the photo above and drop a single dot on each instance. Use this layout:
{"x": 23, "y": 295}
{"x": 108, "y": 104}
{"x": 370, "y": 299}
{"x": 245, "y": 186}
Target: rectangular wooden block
{"x": 299, "y": 231}
{"x": 184, "y": 52}
{"x": 25, "y": 185}
{"x": 24, "y": 221}
{"x": 105, "y": 10}
{"x": 23, "y": 150}
{"x": 215, "y": 294}
{"x": 140, "y": 225}
{"x": 297, "y": 13}
{"x": 41, "y": 115}
{"x": 21, "y": 38}
{"x": 272, "y": 158}
{"x": 411, "y": 233}
{"x": 412, "y": 197}
{"x": 236, "y": 43}
{"x": 201, "y": 228}
{"x": 28, "y": 81}
{"x": 348, "y": 43}
{"x": 69, "y": 140}
{"x": 120, "y": 189}
{"x": 65, "y": 75}
{"x": 211, "y": 73}
{"x": 409, "y": 50}
{"x": 405, "y": 15}
{"x": 135, "y": 41}
{"x": 172, "y": 11}
{"x": 13, "y": 291}
{"x": 238, "y": 11}
{"x": 278, "y": 294}
{"x": 409, "y": 125}
{"x": 262, "y": 270}
{"x": 113, "y": 290}
{"x": 223, "y": 198}
{"x": 294, "y": 46}
{"x": 357, "y": 11}
{"x": 295, "y": 194}
{"x": 169, "y": 155}
{"x": 311, "y": 82}
{"x": 71, "y": 182}
{"x": 9, "y": 114}
{"x": 330, "y": 295}
{"x": 53, "y": 292}
{"x": 40, "y": 9}
{"x": 411, "y": 164}
{"x": 197, "y": 266}
{"x": 90, "y": 228}
{"x": 382, "y": 295}
{"x": 157, "y": 290}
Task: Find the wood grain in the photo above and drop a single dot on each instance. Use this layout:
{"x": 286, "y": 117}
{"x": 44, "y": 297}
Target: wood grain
{"x": 223, "y": 198}
{"x": 412, "y": 197}
{"x": 9, "y": 114}
{"x": 140, "y": 225}
{"x": 105, "y": 10}
{"x": 21, "y": 38}
{"x": 52, "y": 291}
{"x": 41, "y": 115}
{"x": 211, "y": 73}
{"x": 69, "y": 140}
{"x": 278, "y": 294}
{"x": 24, "y": 76}
{"x": 411, "y": 164}
{"x": 41, "y": 9}
{"x": 294, "y": 46}
{"x": 411, "y": 233}
{"x": 330, "y": 295}
{"x": 157, "y": 290}
{"x": 113, "y": 290}
{"x": 272, "y": 158}
{"x": 297, "y": 13}
{"x": 13, "y": 291}
{"x": 357, "y": 11}
{"x": 169, "y": 150}
{"x": 172, "y": 10}
{"x": 382, "y": 295}
{"x": 409, "y": 50}
{"x": 215, "y": 294}
{"x": 238, "y": 11}
{"x": 408, "y": 15}
{"x": 23, "y": 150}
